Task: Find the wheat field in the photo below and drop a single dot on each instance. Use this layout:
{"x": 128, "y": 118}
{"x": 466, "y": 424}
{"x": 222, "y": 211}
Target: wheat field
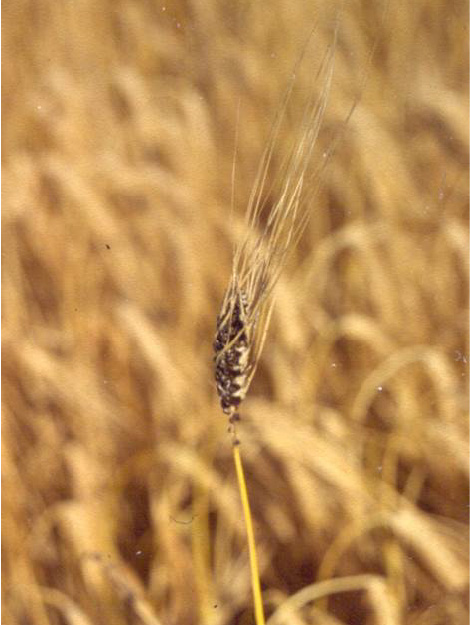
{"x": 123, "y": 121}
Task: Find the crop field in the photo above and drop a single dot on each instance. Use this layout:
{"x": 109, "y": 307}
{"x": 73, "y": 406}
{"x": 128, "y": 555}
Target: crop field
{"x": 132, "y": 137}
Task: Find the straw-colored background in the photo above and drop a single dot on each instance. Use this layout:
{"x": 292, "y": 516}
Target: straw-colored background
{"x": 119, "y": 496}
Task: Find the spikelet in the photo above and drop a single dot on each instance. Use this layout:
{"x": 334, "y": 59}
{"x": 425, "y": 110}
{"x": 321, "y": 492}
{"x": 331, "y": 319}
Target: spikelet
{"x": 261, "y": 255}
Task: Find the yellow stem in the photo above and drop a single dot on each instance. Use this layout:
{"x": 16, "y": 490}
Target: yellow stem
{"x": 257, "y": 598}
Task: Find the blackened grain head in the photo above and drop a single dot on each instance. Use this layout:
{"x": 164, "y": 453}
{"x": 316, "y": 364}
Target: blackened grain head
{"x": 231, "y": 348}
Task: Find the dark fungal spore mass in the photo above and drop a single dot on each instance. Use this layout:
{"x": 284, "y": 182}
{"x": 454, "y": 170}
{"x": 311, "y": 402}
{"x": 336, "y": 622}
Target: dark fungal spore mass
{"x": 231, "y": 353}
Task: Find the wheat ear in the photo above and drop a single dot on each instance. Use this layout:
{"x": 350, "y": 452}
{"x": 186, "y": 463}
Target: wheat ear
{"x": 257, "y": 264}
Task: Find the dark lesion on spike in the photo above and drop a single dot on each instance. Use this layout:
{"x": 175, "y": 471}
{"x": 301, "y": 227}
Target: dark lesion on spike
{"x": 231, "y": 361}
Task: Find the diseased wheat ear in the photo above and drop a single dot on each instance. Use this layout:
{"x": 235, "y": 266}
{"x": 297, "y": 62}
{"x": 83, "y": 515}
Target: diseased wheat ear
{"x": 270, "y": 236}
{"x": 232, "y": 350}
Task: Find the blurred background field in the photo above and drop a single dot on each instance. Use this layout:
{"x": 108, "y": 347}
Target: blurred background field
{"x": 120, "y": 503}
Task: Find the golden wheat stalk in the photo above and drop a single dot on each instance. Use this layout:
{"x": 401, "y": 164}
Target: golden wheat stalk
{"x": 257, "y": 264}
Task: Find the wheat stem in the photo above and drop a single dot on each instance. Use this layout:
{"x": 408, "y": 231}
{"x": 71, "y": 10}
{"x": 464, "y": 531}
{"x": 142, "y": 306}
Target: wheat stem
{"x": 255, "y": 584}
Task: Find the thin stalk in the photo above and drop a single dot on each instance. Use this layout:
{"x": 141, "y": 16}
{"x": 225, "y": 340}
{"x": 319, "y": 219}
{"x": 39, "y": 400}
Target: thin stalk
{"x": 257, "y": 598}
